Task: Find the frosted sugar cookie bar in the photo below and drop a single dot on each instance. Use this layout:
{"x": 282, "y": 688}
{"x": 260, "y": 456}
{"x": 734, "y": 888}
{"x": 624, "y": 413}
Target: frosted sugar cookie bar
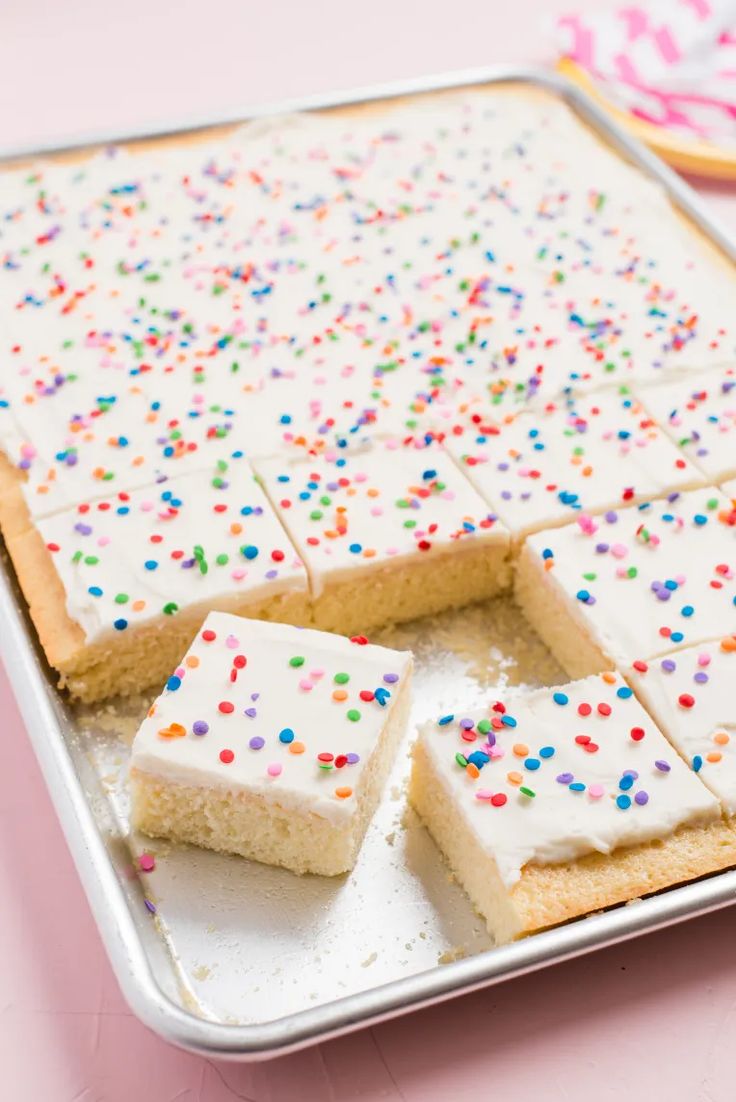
{"x": 632, "y": 583}
{"x": 699, "y": 413}
{"x": 555, "y": 803}
{"x": 387, "y": 533}
{"x": 118, "y": 586}
{"x": 271, "y": 742}
{"x": 545, "y": 465}
{"x": 691, "y": 696}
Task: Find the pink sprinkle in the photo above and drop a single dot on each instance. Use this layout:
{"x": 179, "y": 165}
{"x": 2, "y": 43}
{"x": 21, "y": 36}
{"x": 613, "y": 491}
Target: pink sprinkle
{"x": 619, "y": 551}
{"x": 146, "y": 506}
{"x": 704, "y": 659}
{"x": 316, "y": 674}
{"x": 146, "y": 862}
{"x": 274, "y": 769}
{"x": 483, "y": 794}
{"x": 232, "y": 642}
{"x": 306, "y": 684}
{"x": 595, "y": 791}
{"x": 239, "y": 574}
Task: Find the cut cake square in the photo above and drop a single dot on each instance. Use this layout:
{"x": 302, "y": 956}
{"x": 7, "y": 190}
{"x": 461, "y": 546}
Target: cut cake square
{"x": 271, "y": 742}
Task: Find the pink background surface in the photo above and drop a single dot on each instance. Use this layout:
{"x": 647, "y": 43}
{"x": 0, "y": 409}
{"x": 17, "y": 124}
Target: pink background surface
{"x": 652, "y": 1019}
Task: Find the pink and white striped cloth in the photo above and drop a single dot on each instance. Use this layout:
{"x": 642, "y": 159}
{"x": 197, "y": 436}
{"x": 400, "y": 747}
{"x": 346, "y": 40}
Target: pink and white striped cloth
{"x": 669, "y": 62}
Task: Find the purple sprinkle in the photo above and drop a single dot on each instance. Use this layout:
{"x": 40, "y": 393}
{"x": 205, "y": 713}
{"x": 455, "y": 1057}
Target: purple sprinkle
{"x": 353, "y": 759}
{"x": 641, "y": 798}
{"x": 390, "y": 678}
{"x": 630, "y": 773}
{"x": 565, "y": 778}
{"x": 466, "y": 724}
{"x": 251, "y": 713}
{"x": 199, "y": 727}
{"x": 83, "y": 529}
{"x": 150, "y": 906}
{"x": 254, "y": 696}
{"x": 272, "y": 574}
{"x": 611, "y": 517}
{"x": 257, "y": 743}
{"x": 669, "y": 665}
{"x": 663, "y": 766}
{"x": 701, "y": 677}
{"x": 601, "y": 548}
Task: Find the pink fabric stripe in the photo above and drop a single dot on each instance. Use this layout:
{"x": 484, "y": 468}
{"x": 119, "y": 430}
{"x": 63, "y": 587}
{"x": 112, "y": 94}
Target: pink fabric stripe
{"x": 701, "y": 8}
{"x": 582, "y": 47}
{"x": 637, "y": 22}
{"x": 667, "y": 45}
{"x": 626, "y": 69}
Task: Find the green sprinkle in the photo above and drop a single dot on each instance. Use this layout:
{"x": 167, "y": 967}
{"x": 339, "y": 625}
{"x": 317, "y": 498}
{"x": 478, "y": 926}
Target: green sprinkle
{"x": 353, "y": 715}
{"x": 170, "y": 608}
{"x": 341, "y": 678}
{"x": 297, "y": 660}
{"x": 222, "y": 559}
{"x": 527, "y": 791}
{"x": 461, "y": 760}
{"x": 121, "y": 598}
{"x": 483, "y": 726}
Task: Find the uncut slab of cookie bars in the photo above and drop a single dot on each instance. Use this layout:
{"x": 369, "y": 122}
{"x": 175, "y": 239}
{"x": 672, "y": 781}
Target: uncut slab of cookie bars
{"x": 343, "y": 370}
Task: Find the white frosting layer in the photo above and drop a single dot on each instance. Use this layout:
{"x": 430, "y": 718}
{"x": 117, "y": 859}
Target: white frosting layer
{"x": 296, "y": 696}
{"x": 648, "y": 579}
{"x": 519, "y": 802}
{"x": 204, "y": 537}
{"x": 700, "y": 415}
{"x": 691, "y": 696}
{"x": 356, "y": 511}
{"x": 540, "y": 466}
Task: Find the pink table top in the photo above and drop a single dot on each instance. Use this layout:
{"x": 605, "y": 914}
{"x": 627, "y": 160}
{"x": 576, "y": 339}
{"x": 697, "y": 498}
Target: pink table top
{"x": 652, "y": 1018}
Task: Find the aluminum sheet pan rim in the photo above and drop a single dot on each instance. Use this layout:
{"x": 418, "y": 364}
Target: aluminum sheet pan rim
{"x": 42, "y": 715}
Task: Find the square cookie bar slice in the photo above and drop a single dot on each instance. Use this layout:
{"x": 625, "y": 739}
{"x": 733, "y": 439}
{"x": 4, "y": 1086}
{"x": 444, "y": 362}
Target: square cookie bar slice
{"x": 387, "y": 533}
{"x": 558, "y": 802}
{"x": 633, "y": 583}
{"x": 699, "y": 413}
{"x": 271, "y": 742}
{"x": 690, "y": 694}
{"x": 543, "y": 466}
{"x": 118, "y": 586}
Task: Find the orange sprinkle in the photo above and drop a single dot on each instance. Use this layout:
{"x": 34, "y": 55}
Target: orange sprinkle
{"x": 721, "y": 738}
{"x": 472, "y": 770}
{"x": 520, "y": 749}
{"x": 729, "y": 644}
{"x": 339, "y": 694}
{"x": 609, "y": 678}
{"x": 714, "y": 756}
{"x": 174, "y": 730}
{"x": 236, "y": 529}
{"x": 296, "y": 748}
{"x": 514, "y": 777}
{"x": 138, "y": 605}
{"x": 343, "y": 793}
{"x": 191, "y": 661}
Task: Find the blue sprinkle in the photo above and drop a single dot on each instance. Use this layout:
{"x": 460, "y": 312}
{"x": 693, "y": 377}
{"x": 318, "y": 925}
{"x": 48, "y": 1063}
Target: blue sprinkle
{"x": 94, "y": 591}
{"x": 532, "y": 763}
{"x": 624, "y": 802}
{"x": 561, "y": 698}
{"x": 356, "y": 548}
{"x": 624, "y": 692}
{"x": 287, "y": 735}
{"x": 677, "y": 636}
{"x": 173, "y": 683}
{"x": 150, "y": 564}
{"x": 508, "y": 721}
{"x": 626, "y": 783}
{"x": 697, "y": 763}
{"x": 250, "y": 552}
{"x": 687, "y": 610}
{"x": 547, "y": 752}
{"x": 444, "y": 720}
{"x": 120, "y": 625}
{"x": 548, "y": 554}
{"x": 577, "y": 786}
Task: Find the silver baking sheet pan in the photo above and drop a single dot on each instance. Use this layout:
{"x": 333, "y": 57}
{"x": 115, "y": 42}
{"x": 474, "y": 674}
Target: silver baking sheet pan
{"x": 230, "y": 958}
